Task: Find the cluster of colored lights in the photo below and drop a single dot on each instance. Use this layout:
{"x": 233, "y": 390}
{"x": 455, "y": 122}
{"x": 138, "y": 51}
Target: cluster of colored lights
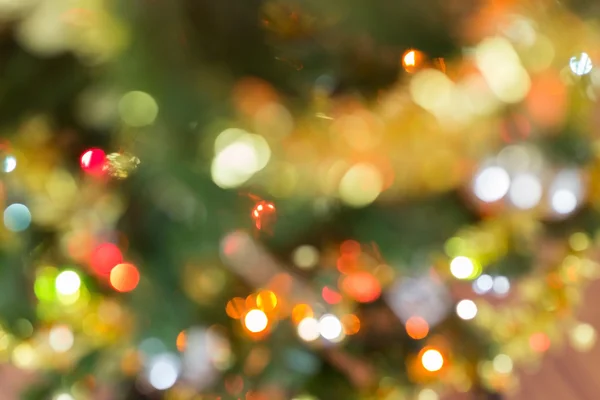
{"x": 107, "y": 261}
{"x": 256, "y": 312}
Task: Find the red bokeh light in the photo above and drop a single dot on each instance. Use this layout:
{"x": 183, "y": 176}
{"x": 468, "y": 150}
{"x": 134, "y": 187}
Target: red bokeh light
{"x": 105, "y": 257}
{"x": 331, "y": 296}
{"x": 539, "y": 342}
{"x": 124, "y": 277}
{"x": 92, "y": 161}
{"x": 362, "y": 286}
{"x": 417, "y": 328}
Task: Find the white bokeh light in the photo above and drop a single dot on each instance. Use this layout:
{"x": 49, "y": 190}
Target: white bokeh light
{"x": 581, "y": 65}
{"x": 163, "y": 371}
{"x": 308, "y": 329}
{"x": 256, "y": 321}
{"x": 483, "y": 284}
{"x": 501, "y": 285}
{"x": 67, "y": 283}
{"x": 564, "y": 201}
{"x": 61, "y": 338}
{"x": 462, "y": 267}
{"x": 466, "y": 309}
{"x": 331, "y": 327}
{"x": 525, "y": 191}
{"x": 491, "y": 184}
{"x": 10, "y": 163}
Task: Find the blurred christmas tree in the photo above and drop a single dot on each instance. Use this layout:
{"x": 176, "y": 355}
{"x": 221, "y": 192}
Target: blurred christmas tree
{"x": 294, "y": 200}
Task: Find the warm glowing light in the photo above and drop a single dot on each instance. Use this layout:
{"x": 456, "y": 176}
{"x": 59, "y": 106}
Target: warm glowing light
{"x": 462, "y": 267}
{"x": 432, "y": 360}
{"x": 579, "y": 241}
{"x": 491, "y": 184}
{"x": 308, "y": 329}
{"x": 409, "y": 58}
{"x": 17, "y": 217}
{"x": 362, "y": 286}
{"x": 256, "y": 321}
{"x": 503, "y": 364}
{"x": 331, "y": 327}
{"x": 67, "y": 283}
{"x": 105, "y": 257}
{"x": 539, "y": 342}
{"x": 466, "y": 309}
{"x": 300, "y": 312}
{"x": 236, "y": 307}
{"x": 361, "y": 185}
{"x": 305, "y": 257}
{"x": 61, "y": 338}
{"x": 412, "y": 60}
{"x": 266, "y": 300}
{"x": 124, "y": 277}
{"x": 181, "y": 341}
{"x": 351, "y": 324}
{"x": 92, "y": 161}
{"x": 583, "y": 337}
{"x": 263, "y": 214}
{"x": 428, "y": 394}
{"x": 24, "y": 356}
{"x": 331, "y": 296}
{"x": 417, "y": 328}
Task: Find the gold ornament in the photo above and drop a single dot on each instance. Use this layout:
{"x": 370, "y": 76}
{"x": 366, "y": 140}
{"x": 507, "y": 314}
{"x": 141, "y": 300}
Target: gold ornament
{"x": 121, "y": 165}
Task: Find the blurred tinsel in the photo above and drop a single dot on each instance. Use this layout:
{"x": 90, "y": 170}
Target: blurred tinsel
{"x": 275, "y": 199}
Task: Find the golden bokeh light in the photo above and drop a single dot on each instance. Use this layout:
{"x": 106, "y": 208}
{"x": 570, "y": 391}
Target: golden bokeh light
{"x": 301, "y": 311}
{"x": 236, "y": 307}
{"x": 266, "y": 301}
{"x": 412, "y": 60}
{"x": 432, "y": 360}
{"x": 256, "y": 321}
{"x": 361, "y": 185}
{"x": 351, "y": 324}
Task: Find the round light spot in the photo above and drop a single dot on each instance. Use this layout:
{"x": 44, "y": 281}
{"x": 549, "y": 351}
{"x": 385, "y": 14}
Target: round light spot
{"x": 361, "y": 185}
{"x": 583, "y": 337}
{"x": 9, "y": 164}
{"x": 138, "y": 109}
{"x": 124, "y": 277}
{"x": 306, "y": 257}
{"x": 164, "y": 371}
{"x": 61, "y": 338}
{"x": 67, "y": 283}
{"x": 581, "y": 65}
{"x": 63, "y": 396}
{"x": 501, "y": 285}
{"x": 503, "y": 364}
{"x": 331, "y": 327}
{"x": 308, "y": 329}
{"x": 428, "y": 394}
{"x": 564, "y": 201}
{"x": 256, "y": 321}
{"x": 462, "y": 267}
{"x": 432, "y": 360}
{"x": 491, "y": 184}
{"x": 466, "y": 309}
{"x": 483, "y": 284}
{"x": 525, "y": 191}
{"x": 17, "y": 217}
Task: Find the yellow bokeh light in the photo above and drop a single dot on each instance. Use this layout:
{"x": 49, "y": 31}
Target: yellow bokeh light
{"x": 138, "y": 109}
{"x": 361, "y": 185}
{"x": 583, "y": 337}
{"x": 68, "y": 283}
{"x": 432, "y": 360}
{"x": 24, "y": 356}
{"x": 256, "y": 321}
{"x": 503, "y": 364}
{"x": 266, "y": 301}
{"x": 579, "y": 241}
{"x": 428, "y": 394}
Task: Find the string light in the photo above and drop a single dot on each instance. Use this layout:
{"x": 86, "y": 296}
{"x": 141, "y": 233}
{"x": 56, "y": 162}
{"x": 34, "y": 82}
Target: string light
{"x": 68, "y": 283}
{"x": 432, "y": 360}
{"x": 124, "y": 277}
{"x": 256, "y": 321}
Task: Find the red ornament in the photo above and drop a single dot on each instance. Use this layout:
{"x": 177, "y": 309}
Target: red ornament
{"x": 264, "y": 215}
{"x": 93, "y": 161}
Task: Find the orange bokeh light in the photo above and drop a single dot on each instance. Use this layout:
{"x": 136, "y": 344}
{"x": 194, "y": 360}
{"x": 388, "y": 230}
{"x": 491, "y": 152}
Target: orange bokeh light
{"x": 300, "y": 312}
{"x": 539, "y": 342}
{"x": 236, "y": 307}
{"x": 351, "y": 324}
{"x": 181, "y": 341}
{"x": 412, "y": 60}
{"x": 331, "y": 296}
{"x": 362, "y": 286}
{"x": 417, "y": 328}
{"x": 124, "y": 277}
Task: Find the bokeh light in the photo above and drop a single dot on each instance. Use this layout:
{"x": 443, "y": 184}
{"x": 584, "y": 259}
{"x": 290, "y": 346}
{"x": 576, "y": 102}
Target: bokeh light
{"x": 428, "y": 394}
{"x": 361, "y": 185}
{"x": 483, "y": 284}
{"x": 564, "y": 201}
{"x": 581, "y": 65}
{"x": 501, "y": 285}
{"x": 491, "y": 184}
{"x": 138, "y": 109}
{"x": 362, "y": 286}
{"x": 583, "y": 337}
{"x": 124, "y": 277}
{"x": 503, "y": 364}
{"x": 9, "y": 164}
{"x": 256, "y": 321}
{"x": 17, "y": 217}
{"x": 164, "y": 371}
{"x": 305, "y": 257}
{"x": 525, "y": 191}
{"x": 105, "y": 257}
{"x": 68, "y": 283}
{"x": 351, "y": 324}
{"x": 462, "y": 267}
{"x": 417, "y": 328}
{"x": 432, "y": 360}
{"x": 466, "y": 309}
{"x": 539, "y": 342}
{"x": 92, "y": 162}
{"x": 308, "y": 329}
{"x": 412, "y": 60}
{"x": 330, "y": 327}
{"x": 61, "y": 338}
{"x": 300, "y": 312}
